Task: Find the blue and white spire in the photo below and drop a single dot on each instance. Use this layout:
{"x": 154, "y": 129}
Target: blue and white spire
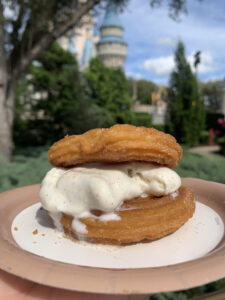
{"x": 111, "y": 18}
{"x": 111, "y": 47}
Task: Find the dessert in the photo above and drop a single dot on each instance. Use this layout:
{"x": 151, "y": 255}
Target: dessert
{"x": 116, "y": 186}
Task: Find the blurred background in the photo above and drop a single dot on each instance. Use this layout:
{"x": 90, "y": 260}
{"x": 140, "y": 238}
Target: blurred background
{"x": 71, "y": 65}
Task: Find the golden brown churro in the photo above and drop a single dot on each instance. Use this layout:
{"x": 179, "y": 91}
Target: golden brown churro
{"x": 119, "y": 143}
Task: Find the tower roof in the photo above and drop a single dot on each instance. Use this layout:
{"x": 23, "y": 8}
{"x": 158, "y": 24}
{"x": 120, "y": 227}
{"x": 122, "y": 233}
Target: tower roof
{"x": 111, "y": 18}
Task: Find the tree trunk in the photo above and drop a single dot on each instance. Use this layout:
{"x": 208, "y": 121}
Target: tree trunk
{"x": 7, "y": 92}
{"x": 6, "y": 120}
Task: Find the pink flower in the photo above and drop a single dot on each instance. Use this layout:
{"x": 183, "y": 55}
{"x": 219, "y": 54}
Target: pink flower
{"x": 220, "y": 121}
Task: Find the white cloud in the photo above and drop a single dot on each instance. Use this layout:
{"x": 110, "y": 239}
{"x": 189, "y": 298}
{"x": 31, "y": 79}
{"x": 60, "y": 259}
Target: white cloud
{"x": 166, "y": 41}
{"x": 163, "y": 66}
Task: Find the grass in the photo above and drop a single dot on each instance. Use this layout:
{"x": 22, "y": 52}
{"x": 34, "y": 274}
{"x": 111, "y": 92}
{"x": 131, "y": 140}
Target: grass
{"x": 30, "y": 165}
{"x": 209, "y": 167}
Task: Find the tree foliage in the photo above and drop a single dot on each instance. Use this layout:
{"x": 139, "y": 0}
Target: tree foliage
{"x": 144, "y": 89}
{"x": 212, "y": 92}
{"x": 175, "y": 7}
{"x": 31, "y": 26}
{"x": 109, "y": 89}
{"x": 53, "y": 100}
{"x": 185, "y": 106}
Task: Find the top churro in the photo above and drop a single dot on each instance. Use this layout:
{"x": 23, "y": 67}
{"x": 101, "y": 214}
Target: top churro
{"x": 120, "y": 143}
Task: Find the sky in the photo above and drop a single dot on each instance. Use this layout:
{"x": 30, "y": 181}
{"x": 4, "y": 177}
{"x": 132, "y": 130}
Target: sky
{"x": 152, "y": 37}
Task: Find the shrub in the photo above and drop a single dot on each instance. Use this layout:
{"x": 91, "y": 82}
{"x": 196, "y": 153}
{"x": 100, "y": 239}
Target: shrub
{"x": 142, "y": 119}
{"x": 221, "y": 142}
{"x": 28, "y": 167}
{"x": 210, "y": 167}
{"x": 204, "y": 137}
{"x": 159, "y": 127}
{"x": 220, "y": 134}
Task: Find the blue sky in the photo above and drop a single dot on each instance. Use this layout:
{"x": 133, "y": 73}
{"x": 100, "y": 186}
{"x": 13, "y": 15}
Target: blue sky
{"x": 152, "y": 37}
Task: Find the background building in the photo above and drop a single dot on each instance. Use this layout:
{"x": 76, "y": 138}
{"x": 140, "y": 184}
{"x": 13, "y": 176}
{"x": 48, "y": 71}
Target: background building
{"x": 81, "y": 40}
{"x": 108, "y": 44}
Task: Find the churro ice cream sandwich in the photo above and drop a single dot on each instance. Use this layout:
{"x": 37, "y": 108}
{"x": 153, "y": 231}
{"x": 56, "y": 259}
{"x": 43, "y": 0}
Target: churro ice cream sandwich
{"x": 116, "y": 186}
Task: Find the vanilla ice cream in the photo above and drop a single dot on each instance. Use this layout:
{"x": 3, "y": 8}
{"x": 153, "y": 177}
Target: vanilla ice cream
{"x": 104, "y": 187}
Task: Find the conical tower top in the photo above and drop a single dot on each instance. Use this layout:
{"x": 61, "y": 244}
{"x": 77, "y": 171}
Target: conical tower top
{"x": 111, "y": 18}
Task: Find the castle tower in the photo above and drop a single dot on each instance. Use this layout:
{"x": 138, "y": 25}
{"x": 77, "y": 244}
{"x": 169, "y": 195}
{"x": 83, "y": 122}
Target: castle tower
{"x": 81, "y": 41}
{"x": 111, "y": 47}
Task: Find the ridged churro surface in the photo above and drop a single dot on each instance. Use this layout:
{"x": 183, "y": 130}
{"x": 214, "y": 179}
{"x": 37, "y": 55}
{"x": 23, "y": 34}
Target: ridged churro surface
{"x": 119, "y": 143}
{"x": 141, "y": 219}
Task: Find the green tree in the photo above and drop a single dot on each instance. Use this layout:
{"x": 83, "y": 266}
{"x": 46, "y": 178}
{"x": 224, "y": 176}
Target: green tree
{"x": 175, "y": 7}
{"x": 109, "y": 89}
{"x": 143, "y": 89}
{"x": 186, "y": 116}
{"x": 212, "y": 92}
{"x": 53, "y": 100}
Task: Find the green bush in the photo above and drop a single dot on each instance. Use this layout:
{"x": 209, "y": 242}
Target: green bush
{"x": 29, "y": 166}
{"x": 212, "y": 119}
{"x": 191, "y": 293}
{"x": 159, "y": 127}
{"x": 142, "y": 119}
{"x": 204, "y": 137}
{"x": 221, "y": 142}
{"x": 210, "y": 167}
{"x": 169, "y": 296}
